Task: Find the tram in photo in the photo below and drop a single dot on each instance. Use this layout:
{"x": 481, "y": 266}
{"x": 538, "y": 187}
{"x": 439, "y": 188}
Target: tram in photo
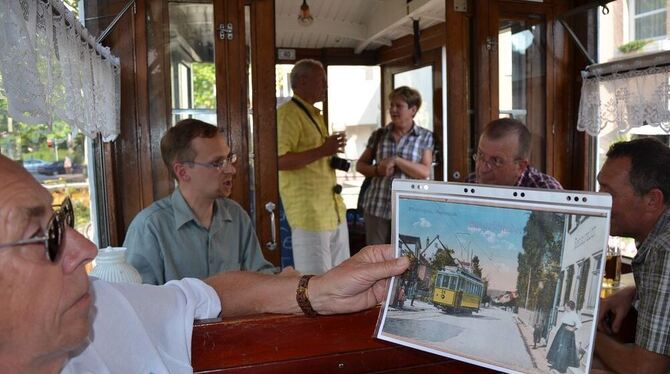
{"x": 457, "y": 290}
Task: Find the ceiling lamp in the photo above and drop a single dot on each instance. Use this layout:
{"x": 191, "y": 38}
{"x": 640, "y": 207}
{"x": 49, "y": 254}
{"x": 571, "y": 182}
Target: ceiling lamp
{"x": 305, "y": 17}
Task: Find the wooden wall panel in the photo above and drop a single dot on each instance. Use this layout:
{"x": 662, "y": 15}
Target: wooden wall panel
{"x": 231, "y": 92}
{"x": 128, "y": 159}
{"x": 332, "y": 56}
{"x": 326, "y": 344}
{"x": 459, "y": 95}
{"x": 158, "y": 86}
{"x": 431, "y": 38}
{"x": 265, "y": 123}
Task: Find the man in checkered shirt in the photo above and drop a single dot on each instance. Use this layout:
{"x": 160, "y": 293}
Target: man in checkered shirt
{"x": 637, "y": 175}
{"x": 502, "y": 157}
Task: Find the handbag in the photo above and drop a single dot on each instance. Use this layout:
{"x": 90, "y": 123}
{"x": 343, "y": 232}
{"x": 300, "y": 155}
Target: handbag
{"x": 366, "y": 182}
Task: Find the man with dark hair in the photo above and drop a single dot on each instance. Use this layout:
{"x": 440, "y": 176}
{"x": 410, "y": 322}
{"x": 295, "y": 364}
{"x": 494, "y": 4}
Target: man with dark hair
{"x": 197, "y": 231}
{"x": 502, "y": 157}
{"x": 309, "y": 192}
{"x": 54, "y": 319}
{"x": 637, "y": 175}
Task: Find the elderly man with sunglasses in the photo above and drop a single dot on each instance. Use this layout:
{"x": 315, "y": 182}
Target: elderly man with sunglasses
{"x": 502, "y": 157}
{"x": 197, "y": 231}
{"x": 55, "y": 319}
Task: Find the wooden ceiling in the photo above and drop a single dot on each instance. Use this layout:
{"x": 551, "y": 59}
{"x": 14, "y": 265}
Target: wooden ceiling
{"x": 357, "y": 24}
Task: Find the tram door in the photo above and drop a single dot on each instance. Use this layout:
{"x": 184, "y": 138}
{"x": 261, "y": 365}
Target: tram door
{"x": 516, "y": 77}
{"x": 219, "y": 51}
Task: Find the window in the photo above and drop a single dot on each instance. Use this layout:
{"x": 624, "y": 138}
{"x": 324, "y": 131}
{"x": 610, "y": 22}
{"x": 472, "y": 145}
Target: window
{"x": 420, "y": 79}
{"x": 192, "y": 62}
{"x": 628, "y": 21}
{"x": 57, "y": 158}
{"x": 649, "y": 19}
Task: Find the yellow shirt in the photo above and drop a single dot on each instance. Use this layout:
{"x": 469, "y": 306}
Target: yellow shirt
{"x": 307, "y": 193}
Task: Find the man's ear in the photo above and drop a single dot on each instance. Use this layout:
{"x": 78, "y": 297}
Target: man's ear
{"x": 523, "y": 165}
{"x": 654, "y": 201}
{"x": 180, "y": 172}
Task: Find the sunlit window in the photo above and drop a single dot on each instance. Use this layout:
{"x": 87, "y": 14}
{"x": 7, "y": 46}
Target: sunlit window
{"x": 631, "y": 28}
{"x": 56, "y": 157}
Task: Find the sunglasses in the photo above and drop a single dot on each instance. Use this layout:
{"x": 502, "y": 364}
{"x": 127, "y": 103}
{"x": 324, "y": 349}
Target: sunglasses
{"x": 63, "y": 215}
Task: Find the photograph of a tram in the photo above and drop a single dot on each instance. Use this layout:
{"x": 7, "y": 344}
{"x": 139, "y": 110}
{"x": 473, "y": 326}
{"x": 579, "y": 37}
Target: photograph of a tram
{"x": 457, "y": 290}
{"x": 491, "y": 284}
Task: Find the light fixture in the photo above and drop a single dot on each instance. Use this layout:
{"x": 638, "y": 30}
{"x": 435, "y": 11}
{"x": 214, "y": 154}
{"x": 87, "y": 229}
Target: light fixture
{"x": 305, "y": 17}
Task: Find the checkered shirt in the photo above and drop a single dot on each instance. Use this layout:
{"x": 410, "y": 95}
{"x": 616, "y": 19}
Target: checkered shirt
{"x": 377, "y": 201}
{"x": 651, "y": 269}
{"x": 530, "y": 178}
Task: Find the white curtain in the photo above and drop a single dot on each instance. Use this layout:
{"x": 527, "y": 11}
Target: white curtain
{"x": 53, "y": 69}
{"x": 626, "y": 94}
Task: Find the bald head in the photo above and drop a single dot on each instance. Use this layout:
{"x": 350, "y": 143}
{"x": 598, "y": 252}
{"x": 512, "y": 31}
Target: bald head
{"x": 15, "y": 181}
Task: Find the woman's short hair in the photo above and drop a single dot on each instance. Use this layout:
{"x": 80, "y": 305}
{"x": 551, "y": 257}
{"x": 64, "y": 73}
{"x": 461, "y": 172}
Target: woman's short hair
{"x": 407, "y": 94}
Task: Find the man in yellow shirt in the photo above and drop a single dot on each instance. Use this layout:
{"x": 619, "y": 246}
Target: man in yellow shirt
{"x": 314, "y": 208}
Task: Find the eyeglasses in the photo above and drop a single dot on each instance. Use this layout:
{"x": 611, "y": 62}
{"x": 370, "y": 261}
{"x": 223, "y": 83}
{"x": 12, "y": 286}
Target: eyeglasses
{"x": 493, "y": 162}
{"x": 63, "y": 215}
{"x": 218, "y": 165}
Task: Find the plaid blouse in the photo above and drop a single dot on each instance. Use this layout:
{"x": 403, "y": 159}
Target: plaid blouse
{"x": 651, "y": 269}
{"x": 377, "y": 199}
{"x": 530, "y": 178}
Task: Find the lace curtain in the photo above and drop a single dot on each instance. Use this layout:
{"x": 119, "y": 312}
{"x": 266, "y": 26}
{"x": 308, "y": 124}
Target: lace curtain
{"x": 53, "y": 69}
{"x": 626, "y": 94}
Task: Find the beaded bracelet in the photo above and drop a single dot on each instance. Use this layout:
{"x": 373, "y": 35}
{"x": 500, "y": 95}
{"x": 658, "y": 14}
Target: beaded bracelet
{"x": 302, "y": 297}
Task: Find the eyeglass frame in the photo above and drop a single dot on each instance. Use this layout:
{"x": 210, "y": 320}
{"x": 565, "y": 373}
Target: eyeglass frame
{"x": 492, "y": 164}
{"x": 53, "y": 240}
{"x": 218, "y": 165}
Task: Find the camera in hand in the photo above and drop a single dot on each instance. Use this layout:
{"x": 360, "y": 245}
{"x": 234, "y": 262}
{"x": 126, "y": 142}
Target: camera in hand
{"x": 340, "y": 163}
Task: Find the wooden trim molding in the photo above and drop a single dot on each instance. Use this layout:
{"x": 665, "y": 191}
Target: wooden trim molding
{"x": 325, "y": 344}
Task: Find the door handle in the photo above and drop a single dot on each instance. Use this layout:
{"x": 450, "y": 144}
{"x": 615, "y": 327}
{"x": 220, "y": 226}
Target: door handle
{"x": 272, "y": 244}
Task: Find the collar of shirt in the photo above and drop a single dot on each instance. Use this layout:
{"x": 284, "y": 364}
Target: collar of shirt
{"x": 307, "y": 105}
{"x": 411, "y": 131}
{"x": 658, "y": 229}
{"x": 183, "y": 213}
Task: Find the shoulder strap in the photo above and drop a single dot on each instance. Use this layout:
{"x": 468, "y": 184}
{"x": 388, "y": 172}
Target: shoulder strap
{"x": 302, "y": 106}
{"x": 375, "y": 141}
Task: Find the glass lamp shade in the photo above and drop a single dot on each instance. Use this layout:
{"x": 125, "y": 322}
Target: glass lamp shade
{"x": 305, "y": 17}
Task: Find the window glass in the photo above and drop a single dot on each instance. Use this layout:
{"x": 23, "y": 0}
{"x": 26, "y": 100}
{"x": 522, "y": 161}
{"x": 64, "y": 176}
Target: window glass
{"x": 354, "y": 106}
{"x": 192, "y": 67}
{"x": 619, "y": 35}
{"x": 522, "y": 79}
{"x": 649, "y": 18}
{"x": 57, "y": 158}
{"x": 420, "y": 79}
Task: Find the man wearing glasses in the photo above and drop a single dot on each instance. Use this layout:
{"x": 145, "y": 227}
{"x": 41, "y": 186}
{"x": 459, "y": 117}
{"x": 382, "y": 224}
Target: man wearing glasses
{"x": 502, "y": 158}
{"x": 55, "y": 319}
{"x": 197, "y": 231}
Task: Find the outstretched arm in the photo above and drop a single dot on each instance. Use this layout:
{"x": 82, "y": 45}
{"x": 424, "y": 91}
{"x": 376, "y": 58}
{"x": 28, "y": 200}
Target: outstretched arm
{"x": 357, "y": 284}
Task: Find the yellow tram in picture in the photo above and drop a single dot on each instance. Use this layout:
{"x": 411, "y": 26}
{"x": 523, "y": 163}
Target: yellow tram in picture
{"x": 457, "y": 290}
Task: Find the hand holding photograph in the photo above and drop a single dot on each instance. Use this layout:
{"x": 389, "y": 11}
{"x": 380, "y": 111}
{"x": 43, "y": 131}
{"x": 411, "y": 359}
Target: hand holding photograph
{"x": 505, "y": 278}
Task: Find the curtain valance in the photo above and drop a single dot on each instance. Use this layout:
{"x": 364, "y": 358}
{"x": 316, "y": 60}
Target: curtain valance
{"x": 626, "y": 94}
{"x": 52, "y": 69}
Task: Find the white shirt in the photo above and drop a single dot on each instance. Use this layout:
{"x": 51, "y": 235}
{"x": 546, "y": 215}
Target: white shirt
{"x": 143, "y": 328}
{"x": 571, "y": 318}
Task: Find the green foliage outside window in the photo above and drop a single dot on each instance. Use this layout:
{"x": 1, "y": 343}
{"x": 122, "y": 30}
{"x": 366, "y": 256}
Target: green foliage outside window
{"x": 204, "y": 85}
